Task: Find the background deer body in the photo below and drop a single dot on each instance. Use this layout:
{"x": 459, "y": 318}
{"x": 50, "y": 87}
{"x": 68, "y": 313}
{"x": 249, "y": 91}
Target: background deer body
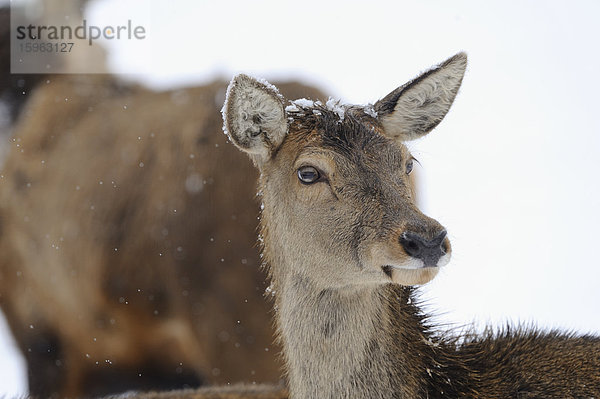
{"x": 128, "y": 261}
{"x": 341, "y": 234}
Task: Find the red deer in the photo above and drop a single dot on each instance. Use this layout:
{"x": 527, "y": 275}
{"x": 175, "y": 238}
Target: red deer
{"x": 344, "y": 242}
{"x": 128, "y": 260}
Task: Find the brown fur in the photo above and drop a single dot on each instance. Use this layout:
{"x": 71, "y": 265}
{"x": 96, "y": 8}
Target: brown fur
{"x": 128, "y": 255}
{"x": 237, "y": 391}
{"x": 348, "y": 326}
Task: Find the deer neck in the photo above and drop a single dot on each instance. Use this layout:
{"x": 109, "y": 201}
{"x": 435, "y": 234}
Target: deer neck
{"x": 342, "y": 343}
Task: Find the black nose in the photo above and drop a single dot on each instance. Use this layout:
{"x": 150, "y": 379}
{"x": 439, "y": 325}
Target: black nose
{"x": 428, "y": 250}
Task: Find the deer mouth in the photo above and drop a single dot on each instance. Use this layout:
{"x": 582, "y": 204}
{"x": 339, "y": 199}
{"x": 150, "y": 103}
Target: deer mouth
{"x": 399, "y": 268}
{"x": 418, "y": 264}
{"x": 410, "y": 274}
{"x": 387, "y": 269}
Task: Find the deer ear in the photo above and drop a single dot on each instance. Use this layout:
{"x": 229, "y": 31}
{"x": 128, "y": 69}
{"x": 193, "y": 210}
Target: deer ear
{"x": 413, "y": 110}
{"x": 254, "y": 117}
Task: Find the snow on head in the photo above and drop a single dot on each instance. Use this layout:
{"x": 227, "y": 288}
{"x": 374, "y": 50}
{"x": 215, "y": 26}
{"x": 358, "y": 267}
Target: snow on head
{"x": 304, "y": 103}
{"x": 370, "y": 110}
{"x": 292, "y": 108}
{"x": 337, "y": 107}
{"x": 299, "y": 105}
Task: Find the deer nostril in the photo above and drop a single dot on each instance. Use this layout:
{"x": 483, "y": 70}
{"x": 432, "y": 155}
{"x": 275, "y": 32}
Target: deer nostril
{"x": 411, "y": 246}
{"x": 428, "y": 250}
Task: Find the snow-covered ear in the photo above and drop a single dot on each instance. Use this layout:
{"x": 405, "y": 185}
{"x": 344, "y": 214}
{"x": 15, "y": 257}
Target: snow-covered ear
{"x": 412, "y": 110}
{"x": 254, "y": 117}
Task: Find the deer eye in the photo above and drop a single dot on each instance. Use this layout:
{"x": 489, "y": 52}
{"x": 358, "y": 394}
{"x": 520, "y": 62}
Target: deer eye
{"x": 409, "y": 167}
{"x": 308, "y": 175}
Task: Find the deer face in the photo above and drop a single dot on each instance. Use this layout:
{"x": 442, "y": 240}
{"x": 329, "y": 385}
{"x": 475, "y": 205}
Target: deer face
{"x": 338, "y": 203}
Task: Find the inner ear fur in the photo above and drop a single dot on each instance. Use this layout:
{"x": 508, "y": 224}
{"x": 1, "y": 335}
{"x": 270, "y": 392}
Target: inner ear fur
{"x": 254, "y": 116}
{"x": 414, "y": 109}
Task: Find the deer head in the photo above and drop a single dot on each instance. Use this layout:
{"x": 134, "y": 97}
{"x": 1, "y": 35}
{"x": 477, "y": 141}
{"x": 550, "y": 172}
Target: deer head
{"x": 338, "y": 205}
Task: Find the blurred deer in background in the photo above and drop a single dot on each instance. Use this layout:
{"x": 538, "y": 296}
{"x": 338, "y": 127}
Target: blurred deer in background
{"x": 128, "y": 260}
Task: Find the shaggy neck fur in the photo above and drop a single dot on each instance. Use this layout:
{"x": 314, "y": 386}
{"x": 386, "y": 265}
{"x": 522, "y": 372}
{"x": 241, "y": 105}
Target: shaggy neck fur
{"x": 358, "y": 342}
{"x": 330, "y": 340}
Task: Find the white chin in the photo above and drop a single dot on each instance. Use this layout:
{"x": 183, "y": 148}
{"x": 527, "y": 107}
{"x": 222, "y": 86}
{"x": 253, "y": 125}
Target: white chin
{"x": 411, "y": 264}
{"x": 414, "y": 264}
{"x": 414, "y": 271}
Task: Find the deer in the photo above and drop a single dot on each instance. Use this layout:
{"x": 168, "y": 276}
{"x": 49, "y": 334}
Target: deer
{"x": 345, "y": 248}
{"x": 127, "y": 260}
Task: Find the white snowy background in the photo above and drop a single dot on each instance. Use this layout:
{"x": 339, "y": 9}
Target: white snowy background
{"x": 512, "y": 172}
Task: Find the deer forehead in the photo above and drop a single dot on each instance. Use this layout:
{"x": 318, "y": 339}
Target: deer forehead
{"x": 350, "y": 145}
